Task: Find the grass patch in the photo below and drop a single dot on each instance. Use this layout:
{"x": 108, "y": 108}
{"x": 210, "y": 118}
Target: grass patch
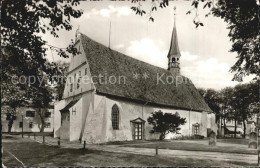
{"x": 36, "y": 154}
{"x": 135, "y": 142}
{"x": 178, "y": 145}
{"x": 8, "y": 137}
{"x": 28, "y": 133}
{"x": 234, "y": 141}
{"x": 123, "y": 142}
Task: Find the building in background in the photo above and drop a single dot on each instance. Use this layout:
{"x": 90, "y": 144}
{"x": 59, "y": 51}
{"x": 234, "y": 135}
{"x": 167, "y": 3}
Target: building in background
{"x": 229, "y": 127}
{"x": 27, "y": 119}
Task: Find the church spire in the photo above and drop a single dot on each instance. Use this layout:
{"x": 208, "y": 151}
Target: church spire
{"x": 174, "y": 52}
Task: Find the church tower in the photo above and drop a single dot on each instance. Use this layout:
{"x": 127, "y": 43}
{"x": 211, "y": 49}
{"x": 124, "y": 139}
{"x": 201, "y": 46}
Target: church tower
{"x": 174, "y": 52}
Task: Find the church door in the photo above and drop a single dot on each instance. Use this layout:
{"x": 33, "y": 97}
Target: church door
{"x": 138, "y": 133}
{"x": 138, "y": 129}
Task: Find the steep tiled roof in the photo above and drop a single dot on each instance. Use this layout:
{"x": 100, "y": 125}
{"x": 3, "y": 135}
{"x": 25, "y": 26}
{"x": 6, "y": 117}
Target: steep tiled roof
{"x": 107, "y": 62}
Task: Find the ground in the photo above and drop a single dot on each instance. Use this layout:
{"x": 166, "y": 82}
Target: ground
{"x": 33, "y": 153}
{"x": 198, "y": 145}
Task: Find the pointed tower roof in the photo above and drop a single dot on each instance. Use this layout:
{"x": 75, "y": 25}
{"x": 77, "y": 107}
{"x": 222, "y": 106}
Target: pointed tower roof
{"x": 174, "y": 48}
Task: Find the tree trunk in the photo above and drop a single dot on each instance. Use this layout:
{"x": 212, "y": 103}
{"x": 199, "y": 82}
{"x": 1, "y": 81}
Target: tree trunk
{"x": 43, "y": 125}
{"x": 11, "y": 120}
{"x": 235, "y": 128}
{"x": 221, "y": 126}
{"x": 224, "y": 127}
{"x": 162, "y": 136}
{"x": 244, "y": 123}
{"x": 10, "y": 125}
{"x": 42, "y": 121}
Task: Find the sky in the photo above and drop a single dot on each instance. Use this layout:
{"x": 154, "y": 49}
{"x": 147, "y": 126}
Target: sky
{"x": 205, "y": 56}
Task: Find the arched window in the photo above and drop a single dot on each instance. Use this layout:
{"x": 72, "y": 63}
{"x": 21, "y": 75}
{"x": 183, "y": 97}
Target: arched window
{"x": 115, "y": 117}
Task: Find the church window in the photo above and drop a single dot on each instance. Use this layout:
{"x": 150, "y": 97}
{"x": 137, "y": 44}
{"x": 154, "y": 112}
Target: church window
{"x": 20, "y": 124}
{"x": 47, "y": 125}
{"x": 73, "y": 111}
{"x": 47, "y": 114}
{"x": 30, "y": 113}
{"x": 86, "y": 71}
{"x": 196, "y": 129}
{"x": 78, "y": 83}
{"x": 115, "y": 117}
{"x": 30, "y": 125}
{"x": 173, "y": 59}
{"x": 71, "y": 87}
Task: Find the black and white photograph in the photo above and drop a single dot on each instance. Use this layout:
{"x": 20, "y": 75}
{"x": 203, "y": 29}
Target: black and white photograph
{"x": 130, "y": 83}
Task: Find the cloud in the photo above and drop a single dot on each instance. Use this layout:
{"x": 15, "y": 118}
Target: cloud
{"x": 107, "y": 12}
{"x": 119, "y": 46}
{"x": 146, "y": 50}
{"x": 204, "y": 73}
{"x": 124, "y": 10}
{"x": 186, "y": 56}
{"x": 209, "y": 73}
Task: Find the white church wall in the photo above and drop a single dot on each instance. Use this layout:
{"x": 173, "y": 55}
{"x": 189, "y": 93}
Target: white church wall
{"x": 78, "y": 59}
{"x": 87, "y": 101}
{"x": 75, "y": 121}
{"x": 209, "y": 120}
{"x": 101, "y": 115}
{"x": 84, "y": 82}
{"x": 203, "y": 126}
{"x": 192, "y": 117}
{"x": 65, "y": 125}
{"x": 57, "y": 117}
{"x": 79, "y": 67}
{"x": 65, "y": 121}
{"x": 95, "y": 130}
{"x": 212, "y": 122}
{"x": 127, "y": 111}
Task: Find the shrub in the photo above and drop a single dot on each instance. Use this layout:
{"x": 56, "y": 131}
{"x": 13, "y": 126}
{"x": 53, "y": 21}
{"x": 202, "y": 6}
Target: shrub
{"x": 165, "y": 123}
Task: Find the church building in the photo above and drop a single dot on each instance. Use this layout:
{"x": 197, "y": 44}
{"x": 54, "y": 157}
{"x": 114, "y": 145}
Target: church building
{"x": 109, "y": 96}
